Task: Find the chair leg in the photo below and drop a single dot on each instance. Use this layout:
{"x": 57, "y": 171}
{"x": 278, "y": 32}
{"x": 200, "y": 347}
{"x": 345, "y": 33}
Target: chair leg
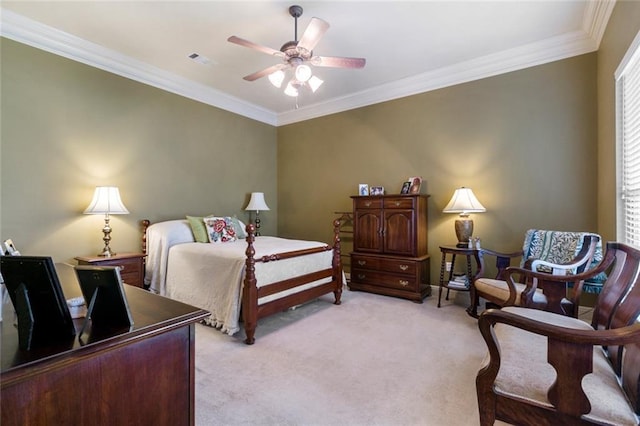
{"x": 472, "y": 310}
{"x": 491, "y": 305}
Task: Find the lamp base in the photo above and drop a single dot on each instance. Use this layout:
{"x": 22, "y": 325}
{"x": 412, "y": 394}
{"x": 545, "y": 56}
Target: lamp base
{"x": 106, "y": 230}
{"x": 257, "y": 221}
{"x": 106, "y": 252}
{"x": 464, "y": 231}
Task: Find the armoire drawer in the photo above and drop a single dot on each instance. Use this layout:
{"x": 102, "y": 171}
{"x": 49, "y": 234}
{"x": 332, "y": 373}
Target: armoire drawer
{"x": 383, "y": 279}
{"x": 400, "y": 266}
{"x": 398, "y": 203}
{"x": 368, "y": 203}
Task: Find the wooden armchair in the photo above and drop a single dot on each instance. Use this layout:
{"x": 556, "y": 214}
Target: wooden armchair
{"x": 547, "y": 251}
{"x": 544, "y": 368}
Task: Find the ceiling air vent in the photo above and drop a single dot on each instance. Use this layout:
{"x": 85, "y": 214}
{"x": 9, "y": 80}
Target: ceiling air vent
{"x": 200, "y": 59}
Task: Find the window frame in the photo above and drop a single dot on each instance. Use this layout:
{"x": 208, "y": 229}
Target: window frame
{"x": 630, "y": 61}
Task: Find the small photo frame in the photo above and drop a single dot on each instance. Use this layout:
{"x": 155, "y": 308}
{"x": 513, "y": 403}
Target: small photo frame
{"x": 405, "y": 187}
{"x": 377, "y": 190}
{"x": 416, "y": 182}
{"x": 103, "y": 292}
{"x": 10, "y": 249}
{"x": 363, "y": 189}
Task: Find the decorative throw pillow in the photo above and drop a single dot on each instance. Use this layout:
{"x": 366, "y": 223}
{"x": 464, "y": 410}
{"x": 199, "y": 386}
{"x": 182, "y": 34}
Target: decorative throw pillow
{"x": 239, "y": 227}
{"x": 198, "y": 228}
{"x": 220, "y": 229}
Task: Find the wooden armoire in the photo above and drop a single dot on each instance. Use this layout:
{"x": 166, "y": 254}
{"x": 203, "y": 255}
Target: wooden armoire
{"x": 390, "y": 246}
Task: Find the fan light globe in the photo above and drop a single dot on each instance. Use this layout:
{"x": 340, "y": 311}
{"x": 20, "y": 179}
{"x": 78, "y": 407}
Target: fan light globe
{"x": 314, "y": 82}
{"x": 303, "y": 73}
{"x": 277, "y": 78}
{"x": 291, "y": 90}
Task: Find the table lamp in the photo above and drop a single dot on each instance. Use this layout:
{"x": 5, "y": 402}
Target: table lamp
{"x": 464, "y": 202}
{"x": 257, "y": 203}
{"x": 106, "y": 200}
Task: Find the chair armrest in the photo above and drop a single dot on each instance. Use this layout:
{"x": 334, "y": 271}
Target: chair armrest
{"x": 533, "y": 276}
{"x": 503, "y": 261}
{"x": 553, "y": 285}
{"x": 580, "y": 262}
{"x": 569, "y": 351}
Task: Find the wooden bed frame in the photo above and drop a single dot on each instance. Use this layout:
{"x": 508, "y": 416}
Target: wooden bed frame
{"x": 251, "y": 312}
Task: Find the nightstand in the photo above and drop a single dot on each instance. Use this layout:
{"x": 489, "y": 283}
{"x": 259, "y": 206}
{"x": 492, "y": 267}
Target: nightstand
{"x": 445, "y": 281}
{"x": 131, "y": 266}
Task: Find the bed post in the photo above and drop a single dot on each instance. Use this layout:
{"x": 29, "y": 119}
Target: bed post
{"x": 250, "y": 291}
{"x": 336, "y": 262}
{"x": 145, "y": 224}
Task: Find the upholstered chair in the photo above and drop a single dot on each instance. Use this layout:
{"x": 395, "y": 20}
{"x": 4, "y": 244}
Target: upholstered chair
{"x": 556, "y": 252}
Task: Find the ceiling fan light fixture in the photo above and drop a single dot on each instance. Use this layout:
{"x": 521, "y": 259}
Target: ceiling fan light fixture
{"x": 291, "y": 89}
{"x": 277, "y": 78}
{"x": 297, "y": 56}
{"x": 314, "y": 82}
{"x": 303, "y": 73}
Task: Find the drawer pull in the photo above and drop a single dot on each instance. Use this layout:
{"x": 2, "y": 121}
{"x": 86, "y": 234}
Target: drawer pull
{"x": 361, "y": 276}
{"x": 367, "y": 204}
{"x": 403, "y": 267}
{"x": 397, "y": 203}
{"x": 404, "y": 283}
{"x": 362, "y": 262}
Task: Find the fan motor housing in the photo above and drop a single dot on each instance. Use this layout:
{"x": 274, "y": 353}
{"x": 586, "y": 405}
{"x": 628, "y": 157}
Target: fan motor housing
{"x": 291, "y": 50}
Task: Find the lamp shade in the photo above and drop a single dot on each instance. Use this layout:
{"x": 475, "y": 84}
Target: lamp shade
{"x": 257, "y": 203}
{"x": 106, "y": 200}
{"x": 464, "y": 202}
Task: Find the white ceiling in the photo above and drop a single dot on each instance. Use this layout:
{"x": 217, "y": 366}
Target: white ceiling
{"x": 410, "y": 47}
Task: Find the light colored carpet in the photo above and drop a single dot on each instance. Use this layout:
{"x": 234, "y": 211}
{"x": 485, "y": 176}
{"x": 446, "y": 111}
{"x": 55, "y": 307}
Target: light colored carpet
{"x": 374, "y": 360}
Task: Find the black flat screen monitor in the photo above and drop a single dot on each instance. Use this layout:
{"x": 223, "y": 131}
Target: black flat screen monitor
{"x": 103, "y": 292}
{"x": 34, "y": 289}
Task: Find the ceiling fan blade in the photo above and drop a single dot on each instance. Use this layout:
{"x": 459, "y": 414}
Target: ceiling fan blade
{"x": 266, "y": 71}
{"x": 312, "y": 35}
{"x": 251, "y": 45}
{"x": 338, "y": 62}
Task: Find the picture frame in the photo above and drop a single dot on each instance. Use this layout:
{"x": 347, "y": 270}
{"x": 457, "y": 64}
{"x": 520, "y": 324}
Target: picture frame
{"x": 363, "y": 189}
{"x": 103, "y": 292}
{"x": 377, "y": 190}
{"x": 416, "y": 182}
{"x": 405, "y": 187}
{"x": 42, "y": 314}
{"x": 10, "y": 249}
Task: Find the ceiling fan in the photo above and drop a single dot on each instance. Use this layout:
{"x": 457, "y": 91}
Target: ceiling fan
{"x": 296, "y": 55}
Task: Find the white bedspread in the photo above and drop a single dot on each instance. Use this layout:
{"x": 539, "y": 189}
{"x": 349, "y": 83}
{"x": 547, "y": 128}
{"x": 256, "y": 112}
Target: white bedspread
{"x": 210, "y": 276}
{"x": 161, "y": 237}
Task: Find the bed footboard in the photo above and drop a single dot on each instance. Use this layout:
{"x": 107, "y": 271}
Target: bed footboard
{"x": 251, "y": 311}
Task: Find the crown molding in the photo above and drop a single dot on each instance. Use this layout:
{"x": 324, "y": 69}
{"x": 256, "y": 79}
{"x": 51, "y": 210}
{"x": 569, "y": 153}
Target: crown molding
{"x": 32, "y": 33}
{"x": 596, "y": 17}
{"x": 18, "y": 28}
{"x": 553, "y": 49}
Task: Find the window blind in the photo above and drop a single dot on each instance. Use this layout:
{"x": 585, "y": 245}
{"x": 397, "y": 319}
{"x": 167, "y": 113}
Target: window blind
{"x": 628, "y": 94}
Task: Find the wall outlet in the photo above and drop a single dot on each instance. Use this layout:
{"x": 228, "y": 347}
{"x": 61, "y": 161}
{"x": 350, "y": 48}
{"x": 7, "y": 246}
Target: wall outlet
{"x": 448, "y": 266}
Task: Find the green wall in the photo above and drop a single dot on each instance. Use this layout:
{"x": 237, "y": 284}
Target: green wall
{"x": 525, "y": 142}
{"x": 623, "y": 26}
{"x": 68, "y": 127}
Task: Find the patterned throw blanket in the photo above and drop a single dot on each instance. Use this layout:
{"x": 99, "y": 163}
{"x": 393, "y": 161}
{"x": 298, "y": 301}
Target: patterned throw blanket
{"x": 560, "y": 247}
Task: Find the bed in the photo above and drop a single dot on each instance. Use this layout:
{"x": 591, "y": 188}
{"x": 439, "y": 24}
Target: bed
{"x": 249, "y": 278}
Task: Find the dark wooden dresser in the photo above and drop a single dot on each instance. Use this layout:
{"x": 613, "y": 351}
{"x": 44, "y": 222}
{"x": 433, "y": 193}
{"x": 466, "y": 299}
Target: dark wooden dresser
{"x": 390, "y": 246}
{"x": 141, "y": 375}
